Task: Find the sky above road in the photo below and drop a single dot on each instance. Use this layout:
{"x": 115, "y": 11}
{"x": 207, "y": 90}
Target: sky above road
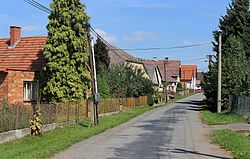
{"x": 135, "y": 24}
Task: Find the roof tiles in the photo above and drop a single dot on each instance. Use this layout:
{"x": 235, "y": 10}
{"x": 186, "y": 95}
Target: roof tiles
{"x": 172, "y": 68}
{"x": 26, "y": 55}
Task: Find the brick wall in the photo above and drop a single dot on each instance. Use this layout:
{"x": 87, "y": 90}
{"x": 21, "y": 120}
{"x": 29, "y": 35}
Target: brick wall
{"x": 15, "y": 86}
{"x": 3, "y": 86}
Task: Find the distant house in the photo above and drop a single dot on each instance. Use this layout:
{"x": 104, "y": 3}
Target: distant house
{"x": 155, "y": 76}
{"x": 169, "y": 71}
{"x": 188, "y": 74}
{"x": 20, "y": 63}
{"x": 119, "y": 56}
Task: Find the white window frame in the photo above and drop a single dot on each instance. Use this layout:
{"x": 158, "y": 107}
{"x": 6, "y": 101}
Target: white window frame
{"x": 29, "y": 90}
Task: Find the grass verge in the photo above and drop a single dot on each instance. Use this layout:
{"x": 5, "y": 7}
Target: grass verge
{"x": 179, "y": 97}
{"x": 211, "y": 118}
{"x": 61, "y": 138}
{"x": 235, "y": 142}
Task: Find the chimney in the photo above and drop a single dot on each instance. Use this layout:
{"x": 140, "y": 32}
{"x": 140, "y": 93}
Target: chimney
{"x": 15, "y": 34}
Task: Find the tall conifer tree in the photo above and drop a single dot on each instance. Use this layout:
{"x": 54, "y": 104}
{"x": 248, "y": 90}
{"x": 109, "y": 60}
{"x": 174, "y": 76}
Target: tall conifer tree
{"x": 66, "y": 52}
{"x": 101, "y": 56}
{"x": 237, "y": 23}
{"x": 235, "y": 46}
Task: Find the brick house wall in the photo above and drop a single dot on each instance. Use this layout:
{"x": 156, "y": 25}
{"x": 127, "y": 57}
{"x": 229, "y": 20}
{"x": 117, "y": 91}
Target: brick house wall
{"x": 3, "y": 86}
{"x": 21, "y": 60}
{"x": 16, "y": 81}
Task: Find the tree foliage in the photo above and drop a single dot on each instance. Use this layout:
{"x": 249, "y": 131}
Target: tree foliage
{"x": 234, "y": 67}
{"x": 237, "y": 23}
{"x": 103, "y": 87}
{"x": 66, "y": 52}
{"x": 235, "y": 49}
{"x": 102, "y": 58}
{"x": 126, "y": 81}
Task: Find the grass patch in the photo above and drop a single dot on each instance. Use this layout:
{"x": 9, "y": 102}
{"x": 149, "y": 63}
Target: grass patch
{"x": 235, "y": 142}
{"x": 61, "y": 138}
{"x": 179, "y": 97}
{"x": 211, "y": 118}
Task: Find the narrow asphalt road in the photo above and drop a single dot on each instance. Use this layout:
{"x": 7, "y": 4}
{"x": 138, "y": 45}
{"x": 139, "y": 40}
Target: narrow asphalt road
{"x": 174, "y": 131}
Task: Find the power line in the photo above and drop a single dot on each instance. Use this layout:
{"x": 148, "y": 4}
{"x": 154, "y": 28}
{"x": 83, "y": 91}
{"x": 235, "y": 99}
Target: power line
{"x": 168, "y": 48}
{"x": 111, "y": 47}
{"x": 194, "y": 59}
{"x": 38, "y": 5}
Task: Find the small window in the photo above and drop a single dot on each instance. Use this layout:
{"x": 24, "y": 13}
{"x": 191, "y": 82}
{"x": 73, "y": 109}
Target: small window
{"x": 29, "y": 90}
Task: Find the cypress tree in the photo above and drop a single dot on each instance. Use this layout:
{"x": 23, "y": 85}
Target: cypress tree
{"x": 66, "y": 52}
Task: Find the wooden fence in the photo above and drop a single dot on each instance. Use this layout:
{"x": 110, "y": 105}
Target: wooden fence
{"x": 17, "y": 117}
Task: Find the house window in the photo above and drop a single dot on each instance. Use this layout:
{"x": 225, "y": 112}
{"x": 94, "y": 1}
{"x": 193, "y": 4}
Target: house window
{"x": 29, "y": 90}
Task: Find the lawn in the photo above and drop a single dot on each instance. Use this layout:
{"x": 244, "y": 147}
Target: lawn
{"x": 61, "y": 138}
{"x": 212, "y": 118}
{"x": 235, "y": 142}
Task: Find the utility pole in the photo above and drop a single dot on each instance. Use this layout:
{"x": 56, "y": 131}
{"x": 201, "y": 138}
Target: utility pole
{"x": 94, "y": 106}
{"x": 96, "y": 95}
{"x": 184, "y": 83}
{"x": 219, "y": 74}
{"x": 165, "y": 74}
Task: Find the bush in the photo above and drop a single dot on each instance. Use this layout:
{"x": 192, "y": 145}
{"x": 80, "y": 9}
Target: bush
{"x": 150, "y": 100}
{"x": 103, "y": 87}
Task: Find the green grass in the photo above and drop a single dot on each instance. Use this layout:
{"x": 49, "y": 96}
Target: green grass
{"x": 235, "y": 142}
{"x": 179, "y": 97}
{"x": 61, "y": 138}
{"x": 211, "y": 118}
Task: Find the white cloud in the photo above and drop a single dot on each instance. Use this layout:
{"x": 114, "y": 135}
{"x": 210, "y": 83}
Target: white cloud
{"x": 139, "y": 36}
{"x": 110, "y": 38}
{"x": 186, "y": 42}
{"x": 31, "y": 28}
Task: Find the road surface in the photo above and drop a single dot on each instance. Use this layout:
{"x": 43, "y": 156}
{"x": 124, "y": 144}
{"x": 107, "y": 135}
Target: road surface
{"x": 174, "y": 131}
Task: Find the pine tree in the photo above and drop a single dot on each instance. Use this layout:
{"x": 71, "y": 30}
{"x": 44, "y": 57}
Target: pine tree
{"x": 66, "y": 52}
{"x": 234, "y": 69}
{"x": 101, "y": 56}
{"x": 235, "y": 27}
{"x": 237, "y": 23}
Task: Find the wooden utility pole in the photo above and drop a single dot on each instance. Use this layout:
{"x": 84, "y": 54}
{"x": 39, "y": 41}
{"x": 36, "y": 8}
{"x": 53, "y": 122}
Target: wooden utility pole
{"x": 219, "y": 75}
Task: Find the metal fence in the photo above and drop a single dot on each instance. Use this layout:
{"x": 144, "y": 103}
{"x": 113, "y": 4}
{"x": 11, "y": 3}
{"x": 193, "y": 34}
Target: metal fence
{"x": 18, "y": 117}
{"x": 240, "y": 105}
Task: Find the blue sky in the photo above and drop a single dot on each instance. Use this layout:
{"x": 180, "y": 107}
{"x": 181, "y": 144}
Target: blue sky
{"x": 135, "y": 24}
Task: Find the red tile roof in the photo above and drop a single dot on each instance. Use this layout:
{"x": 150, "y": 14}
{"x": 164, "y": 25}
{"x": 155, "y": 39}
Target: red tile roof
{"x": 187, "y": 71}
{"x": 26, "y": 55}
{"x": 172, "y": 68}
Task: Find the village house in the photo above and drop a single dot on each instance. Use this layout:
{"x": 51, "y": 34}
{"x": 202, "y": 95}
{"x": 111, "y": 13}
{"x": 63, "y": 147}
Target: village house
{"x": 188, "y": 74}
{"x": 21, "y": 61}
{"x": 169, "y": 70}
{"x": 155, "y": 76}
{"x": 120, "y": 57}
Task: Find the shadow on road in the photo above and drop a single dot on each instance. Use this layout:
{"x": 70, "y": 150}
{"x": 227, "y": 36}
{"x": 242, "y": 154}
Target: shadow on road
{"x": 150, "y": 143}
{"x": 178, "y": 150}
{"x": 194, "y": 105}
